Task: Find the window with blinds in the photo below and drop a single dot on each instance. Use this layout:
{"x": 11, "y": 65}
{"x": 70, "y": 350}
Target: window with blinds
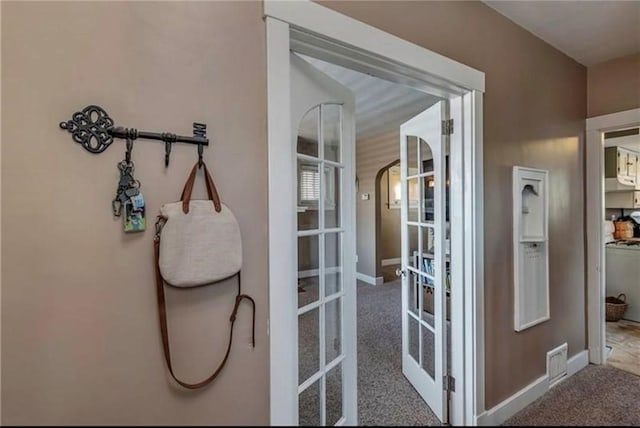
{"x": 309, "y": 185}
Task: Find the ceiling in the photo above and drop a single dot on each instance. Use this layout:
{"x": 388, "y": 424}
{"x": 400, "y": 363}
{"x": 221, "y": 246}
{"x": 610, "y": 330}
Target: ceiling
{"x": 381, "y": 106}
{"x": 590, "y": 32}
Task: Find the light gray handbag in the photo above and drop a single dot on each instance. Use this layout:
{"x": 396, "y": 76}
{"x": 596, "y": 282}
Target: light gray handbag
{"x": 197, "y": 243}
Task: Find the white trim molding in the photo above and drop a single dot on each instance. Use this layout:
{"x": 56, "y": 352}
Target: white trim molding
{"x": 530, "y": 393}
{"x": 390, "y": 262}
{"x": 369, "y": 279}
{"x": 596, "y": 267}
{"x": 438, "y": 70}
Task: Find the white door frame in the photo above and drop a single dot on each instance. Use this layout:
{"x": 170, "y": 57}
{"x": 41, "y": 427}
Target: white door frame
{"x": 321, "y": 32}
{"x": 596, "y": 127}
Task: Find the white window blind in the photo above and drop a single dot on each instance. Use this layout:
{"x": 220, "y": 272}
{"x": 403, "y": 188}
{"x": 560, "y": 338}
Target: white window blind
{"x": 309, "y": 185}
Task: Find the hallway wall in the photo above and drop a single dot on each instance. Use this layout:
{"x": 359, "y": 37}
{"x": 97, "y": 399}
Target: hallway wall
{"x": 372, "y": 154}
{"x": 80, "y": 336}
{"x": 613, "y": 86}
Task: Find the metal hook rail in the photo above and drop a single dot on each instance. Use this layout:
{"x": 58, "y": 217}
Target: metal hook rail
{"x": 95, "y": 131}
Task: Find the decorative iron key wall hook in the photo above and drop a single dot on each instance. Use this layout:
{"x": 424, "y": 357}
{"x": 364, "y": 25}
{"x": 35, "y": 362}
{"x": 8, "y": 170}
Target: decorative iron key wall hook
{"x": 94, "y": 130}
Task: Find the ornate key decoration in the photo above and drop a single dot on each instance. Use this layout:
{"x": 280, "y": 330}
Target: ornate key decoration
{"x": 95, "y": 131}
{"x": 90, "y": 128}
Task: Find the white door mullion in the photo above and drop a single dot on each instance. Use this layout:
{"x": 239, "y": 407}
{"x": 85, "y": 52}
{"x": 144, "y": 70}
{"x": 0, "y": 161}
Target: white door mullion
{"x": 404, "y": 241}
{"x": 322, "y": 270}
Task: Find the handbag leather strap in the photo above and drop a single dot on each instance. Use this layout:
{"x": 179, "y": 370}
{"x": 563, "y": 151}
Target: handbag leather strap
{"x": 211, "y": 189}
{"x": 162, "y": 311}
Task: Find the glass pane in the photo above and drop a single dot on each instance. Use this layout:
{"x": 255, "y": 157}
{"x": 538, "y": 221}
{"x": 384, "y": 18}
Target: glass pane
{"x": 414, "y": 192}
{"x": 333, "y": 263}
{"x": 334, "y": 395}
{"x": 447, "y": 187}
{"x": 333, "y": 329}
{"x": 413, "y": 293}
{"x": 309, "y": 406}
{"x": 308, "y": 345}
{"x": 412, "y": 156}
{"x": 428, "y": 201}
{"x": 427, "y": 267}
{"x": 426, "y": 157}
{"x": 427, "y": 306}
{"x": 414, "y": 337}
{"x": 331, "y": 131}
{"x": 308, "y": 195}
{"x": 332, "y": 185}
{"x": 308, "y": 133}
{"x": 308, "y": 265}
{"x": 428, "y": 247}
{"x": 428, "y": 341}
{"x": 412, "y": 232}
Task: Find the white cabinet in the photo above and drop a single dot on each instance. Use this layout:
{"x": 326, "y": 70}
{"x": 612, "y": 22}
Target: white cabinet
{"x": 621, "y": 167}
{"x": 530, "y": 247}
{"x": 627, "y": 199}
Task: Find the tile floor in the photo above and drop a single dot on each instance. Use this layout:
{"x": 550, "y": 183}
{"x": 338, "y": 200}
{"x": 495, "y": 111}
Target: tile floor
{"x": 624, "y": 339}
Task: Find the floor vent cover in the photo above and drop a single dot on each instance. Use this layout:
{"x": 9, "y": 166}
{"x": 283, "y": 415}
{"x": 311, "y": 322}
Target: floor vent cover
{"x": 557, "y": 363}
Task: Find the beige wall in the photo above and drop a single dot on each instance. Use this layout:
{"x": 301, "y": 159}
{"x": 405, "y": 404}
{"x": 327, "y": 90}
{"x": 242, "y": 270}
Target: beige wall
{"x": 80, "y": 336}
{"x": 614, "y": 86}
{"x": 372, "y": 154}
{"x": 389, "y": 223}
{"x": 534, "y": 115}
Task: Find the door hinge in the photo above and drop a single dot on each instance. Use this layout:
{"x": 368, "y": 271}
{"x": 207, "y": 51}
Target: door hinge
{"x": 447, "y": 127}
{"x": 449, "y": 383}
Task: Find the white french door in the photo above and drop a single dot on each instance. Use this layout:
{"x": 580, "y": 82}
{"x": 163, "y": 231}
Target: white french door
{"x": 425, "y": 259}
{"x": 323, "y": 140}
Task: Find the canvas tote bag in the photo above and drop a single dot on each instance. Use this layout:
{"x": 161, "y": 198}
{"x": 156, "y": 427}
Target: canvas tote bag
{"x": 197, "y": 243}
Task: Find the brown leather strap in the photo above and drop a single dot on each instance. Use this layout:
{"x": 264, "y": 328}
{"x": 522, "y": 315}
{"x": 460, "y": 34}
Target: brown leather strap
{"x": 162, "y": 311}
{"x": 211, "y": 189}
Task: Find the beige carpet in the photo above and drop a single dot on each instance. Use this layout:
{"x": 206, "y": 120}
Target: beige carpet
{"x": 597, "y": 395}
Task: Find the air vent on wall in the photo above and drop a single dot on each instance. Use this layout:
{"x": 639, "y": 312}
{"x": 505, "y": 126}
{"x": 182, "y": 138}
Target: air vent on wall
{"x": 557, "y": 363}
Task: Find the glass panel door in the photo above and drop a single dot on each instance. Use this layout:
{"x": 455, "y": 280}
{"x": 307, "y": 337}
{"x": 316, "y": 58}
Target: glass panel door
{"x": 424, "y": 262}
{"x": 320, "y": 261}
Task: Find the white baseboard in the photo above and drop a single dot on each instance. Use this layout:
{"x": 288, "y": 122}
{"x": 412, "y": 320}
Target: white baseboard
{"x": 577, "y": 362}
{"x": 369, "y": 279}
{"x": 316, "y": 272}
{"x": 530, "y": 393}
{"x": 389, "y": 262}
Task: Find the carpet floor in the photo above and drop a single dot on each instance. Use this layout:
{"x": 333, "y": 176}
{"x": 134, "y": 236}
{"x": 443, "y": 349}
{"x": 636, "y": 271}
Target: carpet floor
{"x": 385, "y": 396}
{"x": 596, "y": 395}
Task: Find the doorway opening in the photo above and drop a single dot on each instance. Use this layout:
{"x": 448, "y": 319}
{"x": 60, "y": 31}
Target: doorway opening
{"x": 385, "y": 395}
{"x": 613, "y": 239}
{"x": 387, "y": 221}
{"x": 310, "y": 29}
{"x": 622, "y": 248}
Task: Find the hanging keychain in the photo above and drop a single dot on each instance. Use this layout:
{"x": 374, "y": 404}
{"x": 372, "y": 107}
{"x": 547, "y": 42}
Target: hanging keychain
{"x": 128, "y": 196}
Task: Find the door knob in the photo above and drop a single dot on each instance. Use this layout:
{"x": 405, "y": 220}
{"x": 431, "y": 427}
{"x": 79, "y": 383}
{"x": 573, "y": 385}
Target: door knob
{"x": 400, "y": 273}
